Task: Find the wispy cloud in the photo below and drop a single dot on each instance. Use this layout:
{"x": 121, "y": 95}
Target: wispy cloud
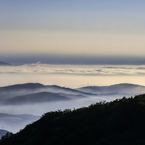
{"x": 38, "y": 68}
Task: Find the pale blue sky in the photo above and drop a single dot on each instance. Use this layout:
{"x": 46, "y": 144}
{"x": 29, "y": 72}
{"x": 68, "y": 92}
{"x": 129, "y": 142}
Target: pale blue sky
{"x": 44, "y": 6}
{"x": 84, "y": 27}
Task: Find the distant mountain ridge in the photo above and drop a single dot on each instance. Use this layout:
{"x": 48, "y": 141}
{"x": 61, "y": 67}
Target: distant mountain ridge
{"x": 116, "y": 87}
{"x": 42, "y": 98}
{"x": 23, "y": 86}
{"x": 4, "y": 63}
{"x": 38, "y": 93}
{"x": 41, "y": 86}
{"x": 123, "y": 87}
{"x": 36, "y": 98}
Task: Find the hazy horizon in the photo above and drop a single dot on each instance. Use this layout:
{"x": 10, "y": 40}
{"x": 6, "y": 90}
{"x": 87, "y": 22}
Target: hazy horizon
{"x": 72, "y": 59}
{"x": 77, "y": 28}
{"x": 72, "y": 75}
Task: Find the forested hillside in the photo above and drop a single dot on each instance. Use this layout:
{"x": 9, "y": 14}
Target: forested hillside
{"x": 120, "y": 122}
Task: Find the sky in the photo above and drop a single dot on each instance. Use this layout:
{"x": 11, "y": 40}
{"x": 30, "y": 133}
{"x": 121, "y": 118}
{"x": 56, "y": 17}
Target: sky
{"x": 87, "y": 28}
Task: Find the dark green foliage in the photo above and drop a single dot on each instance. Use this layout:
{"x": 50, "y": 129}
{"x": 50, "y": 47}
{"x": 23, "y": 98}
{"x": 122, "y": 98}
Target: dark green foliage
{"x": 120, "y": 122}
{"x": 7, "y": 135}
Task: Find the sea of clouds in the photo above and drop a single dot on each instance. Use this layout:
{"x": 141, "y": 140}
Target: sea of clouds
{"x": 72, "y": 75}
{"x": 75, "y": 69}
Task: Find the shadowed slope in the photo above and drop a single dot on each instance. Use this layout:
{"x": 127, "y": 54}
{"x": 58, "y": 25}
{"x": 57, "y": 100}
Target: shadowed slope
{"x": 120, "y": 122}
{"x": 35, "y": 98}
{"x": 3, "y": 132}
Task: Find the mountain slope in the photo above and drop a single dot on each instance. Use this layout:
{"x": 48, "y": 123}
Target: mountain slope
{"x": 35, "y": 98}
{"x": 3, "y": 132}
{"x": 8, "y": 92}
{"x": 22, "y": 86}
{"x": 14, "y": 123}
{"x": 65, "y": 90}
{"x": 120, "y": 122}
{"x": 117, "y": 88}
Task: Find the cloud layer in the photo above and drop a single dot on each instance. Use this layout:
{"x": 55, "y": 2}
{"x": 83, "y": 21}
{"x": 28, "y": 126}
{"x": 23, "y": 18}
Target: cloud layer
{"x": 38, "y": 68}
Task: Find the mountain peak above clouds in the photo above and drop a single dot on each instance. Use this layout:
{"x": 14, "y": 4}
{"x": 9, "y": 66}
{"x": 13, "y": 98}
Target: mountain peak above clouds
{"x": 24, "y": 86}
{"x": 31, "y": 93}
{"x": 116, "y": 88}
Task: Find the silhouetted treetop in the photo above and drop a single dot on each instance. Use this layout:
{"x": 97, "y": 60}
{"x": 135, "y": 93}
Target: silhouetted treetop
{"x": 120, "y": 122}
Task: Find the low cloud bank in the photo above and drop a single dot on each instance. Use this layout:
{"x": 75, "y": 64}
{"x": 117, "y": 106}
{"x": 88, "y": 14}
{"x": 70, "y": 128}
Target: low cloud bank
{"x": 97, "y": 70}
{"x": 37, "y": 104}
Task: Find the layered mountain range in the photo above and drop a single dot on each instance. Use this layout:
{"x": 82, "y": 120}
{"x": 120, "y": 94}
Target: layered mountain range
{"x": 37, "y": 93}
{"x": 35, "y": 98}
{"x": 119, "y": 122}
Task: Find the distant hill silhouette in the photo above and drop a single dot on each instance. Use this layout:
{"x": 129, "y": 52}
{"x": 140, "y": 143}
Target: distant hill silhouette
{"x": 66, "y": 90}
{"x": 3, "y": 63}
{"x": 120, "y": 122}
{"x": 49, "y": 88}
{"x": 117, "y": 88}
{"x": 36, "y": 98}
{"x": 23, "y": 86}
{"x": 38, "y": 93}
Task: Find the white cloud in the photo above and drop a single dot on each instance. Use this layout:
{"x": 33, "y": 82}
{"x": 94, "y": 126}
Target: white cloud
{"x": 74, "y": 69}
{"x": 72, "y": 75}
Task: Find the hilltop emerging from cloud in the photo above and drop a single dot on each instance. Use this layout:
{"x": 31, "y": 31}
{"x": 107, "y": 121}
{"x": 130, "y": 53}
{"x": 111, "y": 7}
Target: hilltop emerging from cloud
{"x": 32, "y": 93}
{"x": 36, "y": 98}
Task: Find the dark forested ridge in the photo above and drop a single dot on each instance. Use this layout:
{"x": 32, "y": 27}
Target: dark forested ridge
{"x": 120, "y": 122}
{"x": 3, "y": 132}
